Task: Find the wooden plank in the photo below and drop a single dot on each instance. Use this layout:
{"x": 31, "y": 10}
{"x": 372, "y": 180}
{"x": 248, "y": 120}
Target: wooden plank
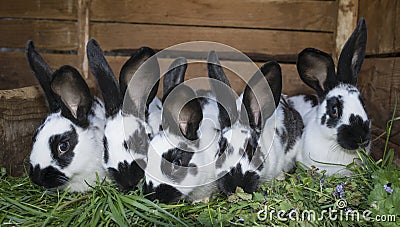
{"x": 379, "y": 85}
{"x": 346, "y": 22}
{"x": 378, "y": 146}
{"x": 397, "y": 34}
{"x": 21, "y": 111}
{"x": 56, "y": 35}
{"x": 15, "y": 71}
{"x": 380, "y": 17}
{"x": 83, "y": 33}
{"x": 49, "y": 9}
{"x": 113, "y": 36}
{"x": 298, "y": 15}
{"x": 292, "y": 85}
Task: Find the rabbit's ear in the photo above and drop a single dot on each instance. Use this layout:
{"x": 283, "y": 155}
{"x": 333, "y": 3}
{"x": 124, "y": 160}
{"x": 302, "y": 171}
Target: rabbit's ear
{"x": 222, "y": 89}
{"x": 105, "y": 78}
{"x": 142, "y": 73}
{"x": 42, "y": 73}
{"x": 258, "y": 102}
{"x": 74, "y": 94}
{"x": 174, "y": 76}
{"x": 317, "y": 70}
{"x": 353, "y": 54}
{"x": 182, "y": 112}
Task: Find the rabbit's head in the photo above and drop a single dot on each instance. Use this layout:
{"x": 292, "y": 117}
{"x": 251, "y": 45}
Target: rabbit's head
{"x": 67, "y": 146}
{"x": 240, "y": 159}
{"x": 127, "y": 133}
{"x": 341, "y": 112}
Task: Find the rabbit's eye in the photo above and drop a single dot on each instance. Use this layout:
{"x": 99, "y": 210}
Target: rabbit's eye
{"x": 177, "y": 162}
{"x": 334, "y": 113}
{"x": 63, "y": 147}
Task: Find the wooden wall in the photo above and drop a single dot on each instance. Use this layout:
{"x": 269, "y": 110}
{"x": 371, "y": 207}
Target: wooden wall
{"x": 380, "y": 76}
{"x": 262, "y": 29}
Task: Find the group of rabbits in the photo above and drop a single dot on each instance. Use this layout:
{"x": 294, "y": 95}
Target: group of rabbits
{"x": 131, "y": 135}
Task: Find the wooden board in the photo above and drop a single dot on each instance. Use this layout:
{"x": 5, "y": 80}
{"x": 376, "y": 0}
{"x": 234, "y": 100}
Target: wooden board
{"x": 379, "y": 84}
{"x": 21, "y": 111}
{"x": 113, "y": 36}
{"x": 50, "y": 35}
{"x": 15, "y": 71}
{"x": 297, "y": 15}
{"x": 50, "y": 9}
{"x": 383, "y": 22}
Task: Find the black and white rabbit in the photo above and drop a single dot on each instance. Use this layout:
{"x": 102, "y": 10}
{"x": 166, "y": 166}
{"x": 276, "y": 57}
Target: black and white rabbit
{"x": 261, "y": 137}
{"x": 130, "y": 118}
{"x": 336, "y": 123}
{"x": 181, "y": 157}
{"x": 67, "y": 147}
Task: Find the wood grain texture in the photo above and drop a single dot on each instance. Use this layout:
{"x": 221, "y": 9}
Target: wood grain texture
{"x": 113, "y": 36}
{"x": 15, "y": 71}
{"x": 292, "y": 85}
{"x": 383, "y": 25}
{"x": 298, "y": 15}
{"x": 346, "y": 22}
{"x": 50, "y": 9}
{"x": 53, "y": 35}
{"x": 21, "y": 111}
{"x": 379, "y": 84}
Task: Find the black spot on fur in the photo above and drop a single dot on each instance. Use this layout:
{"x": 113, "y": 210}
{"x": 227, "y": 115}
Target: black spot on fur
{"x": 323, "y": 119}
{"x": 163, "y": 193}
{"x": 228, "y": 183}
{"x": 355, "y": 135}
{"x": 70, "y": 137}
{"x": 251, "y": 144}
{"x": 225, "y": 148}
{"x": 48, "y": 177}
{"x": 138, "y": 142}
{"x": 127, "y": 176}
{"x": 334, "y": 102}
{"x": 312, "y": 99}
{"x": 106, "y": 153}
{"x": 176, "y": 164}
{"x": 293, "y": 126}
{"x": 125, "y": 145}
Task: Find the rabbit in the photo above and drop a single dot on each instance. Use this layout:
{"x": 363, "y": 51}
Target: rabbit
{"x": 181, "y": 157}
{"x": 261, "y": 137}
{"x": 336, "y": 123}
{"x": 66, "y": 150}
{"x": 131, "y": 119}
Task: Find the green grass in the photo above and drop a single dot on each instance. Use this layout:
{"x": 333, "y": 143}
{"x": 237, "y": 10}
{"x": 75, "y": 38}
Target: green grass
{"x": 22, "y": 203}
{"x": 373, "y": 191}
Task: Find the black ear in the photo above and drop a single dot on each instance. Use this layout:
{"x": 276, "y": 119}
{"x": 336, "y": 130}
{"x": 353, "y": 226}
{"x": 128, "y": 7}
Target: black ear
{"x": 174, "y": 76}
{"x": 142, "y": 87}
{"x": 74, "y": 94}
{"x": 317, "y": 70}
{"x": 42, "y": 73}
{"x": 105, "y": 78}
{"x": 222, "y": 89}
{"x": 182, "y": 112}
{"x": 353, "y": 54}
{"x": 258, "y": 101}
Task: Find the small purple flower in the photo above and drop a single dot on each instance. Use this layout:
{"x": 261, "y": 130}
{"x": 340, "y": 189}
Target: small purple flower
{"x": 348, "y": 210}
{"x": 241, "y": 220}
{"x": 339, "y": 191}
{"x": 387, "y": 188}
{"x": 321, "y": 182}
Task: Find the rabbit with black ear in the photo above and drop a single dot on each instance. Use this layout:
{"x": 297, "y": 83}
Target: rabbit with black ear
{"x": 337, "y": 125}
{"x": 181, "y": 156}
{"x": 128, "y": 120}
{"x": 66, "y": 149}
{"x": 261, "y": 137}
